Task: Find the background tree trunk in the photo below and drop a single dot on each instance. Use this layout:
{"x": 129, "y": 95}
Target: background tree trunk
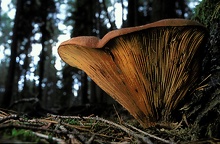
{"x": 205, "y": 104}
{"x": 84, "y": 88}
{"x": 132, "y": 19}
{"x": 163, "y": 9}
{"x": 9, "y": 85}
{"x": 42, "y": 61}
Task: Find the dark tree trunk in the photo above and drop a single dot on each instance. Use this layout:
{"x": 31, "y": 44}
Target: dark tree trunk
{"x": 84, "y": 26}
{"x": 205, "y": 105}
{"x": 84, "y": 88}
{"x": 132, "y": 13}
{"x": 25, "y": 90}
{"x": 44, "y": 33}
{"x": 89, "y": 28}
{"x": 41, "y": 66}
{"x": 93, "y": 94}
{"x": 163, "y": 9}
{"x": 9, "y": 85}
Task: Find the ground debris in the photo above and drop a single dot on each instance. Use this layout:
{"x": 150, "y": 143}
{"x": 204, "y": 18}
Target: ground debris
{"x": 16, "y": 128}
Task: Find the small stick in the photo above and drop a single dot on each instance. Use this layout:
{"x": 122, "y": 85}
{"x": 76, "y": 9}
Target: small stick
{"x": 150, "y": 135}
{"x": 59, "y": 141}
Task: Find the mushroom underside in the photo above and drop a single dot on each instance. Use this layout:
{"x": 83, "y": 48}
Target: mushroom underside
{"x": 149, "y": 72}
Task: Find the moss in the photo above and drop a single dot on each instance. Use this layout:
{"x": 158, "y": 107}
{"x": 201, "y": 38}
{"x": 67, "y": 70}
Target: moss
{"x": 207, "y": 12}
{"x": 17, "y": 136}
{"x": 207, "y": 102}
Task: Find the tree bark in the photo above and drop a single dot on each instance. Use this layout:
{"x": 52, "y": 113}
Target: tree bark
{"x": 9, "y": 85}
{"x": 42, "y": 57}
{"x": 163, "y": 9}
{"x": 132, "y": 13}
{"x": 93, "y": 94}
{"x": 84, "y": 88}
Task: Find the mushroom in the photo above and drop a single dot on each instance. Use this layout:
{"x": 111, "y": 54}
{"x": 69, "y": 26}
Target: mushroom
{"x": 148, "y": 69}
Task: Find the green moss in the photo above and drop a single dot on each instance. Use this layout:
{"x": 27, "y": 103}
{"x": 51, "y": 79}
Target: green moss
{"x": 24, "y": 135}
{"x": 18, "y": 135}
{"x": 72, "y": 121}
{"x": 207, "y": 118}
{"x": 207, "y": 12}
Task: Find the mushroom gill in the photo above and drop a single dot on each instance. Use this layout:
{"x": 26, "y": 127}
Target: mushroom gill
{"x": 148, "y": 69}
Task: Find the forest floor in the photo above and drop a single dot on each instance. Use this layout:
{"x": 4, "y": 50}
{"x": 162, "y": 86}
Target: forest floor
{"x": 56, "y": 129}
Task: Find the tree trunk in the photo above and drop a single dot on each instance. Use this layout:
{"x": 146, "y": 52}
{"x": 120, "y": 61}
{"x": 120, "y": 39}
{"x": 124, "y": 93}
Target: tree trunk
{"x": 132, "y": 13}
{"x": 163, "y": 9}
{"x": 44, "y": 33}
{"x": 93, "y": 94}
{"x": 41, "y": 68}
{"x": 84, "y": 88}
{"x": 9, "y": 85}
{"x": 205, "y": 105}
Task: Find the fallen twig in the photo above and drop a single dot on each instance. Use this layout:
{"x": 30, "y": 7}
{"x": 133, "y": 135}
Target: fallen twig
{"x": 59, "y": 141}
{"x": 122, "y": 127}
{"x": 150, "y": 135}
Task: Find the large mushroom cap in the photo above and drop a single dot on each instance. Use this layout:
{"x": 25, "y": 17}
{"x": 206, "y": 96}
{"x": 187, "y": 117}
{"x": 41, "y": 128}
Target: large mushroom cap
{"x": 148, "y": 69}
{"x": 95, "y": 42}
